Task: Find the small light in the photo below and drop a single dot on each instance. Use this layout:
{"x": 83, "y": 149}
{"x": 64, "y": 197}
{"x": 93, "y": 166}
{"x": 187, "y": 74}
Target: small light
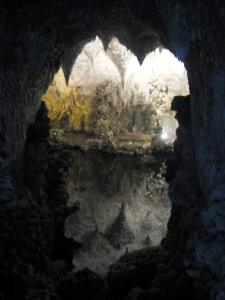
{"x": 164, "y": 135}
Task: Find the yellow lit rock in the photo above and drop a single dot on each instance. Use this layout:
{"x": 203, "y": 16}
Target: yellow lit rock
{"x": 59, "y": 82}
{"x": 66, "y": 108}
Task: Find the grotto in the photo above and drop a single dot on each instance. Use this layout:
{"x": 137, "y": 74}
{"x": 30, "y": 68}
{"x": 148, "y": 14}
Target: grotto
{"x": 99, "y": 198}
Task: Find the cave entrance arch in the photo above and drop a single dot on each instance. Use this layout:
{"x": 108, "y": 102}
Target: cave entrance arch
{"x": 96, "y": 103}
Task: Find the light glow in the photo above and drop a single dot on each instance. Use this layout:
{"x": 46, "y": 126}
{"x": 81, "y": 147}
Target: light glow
{"x": 164, "y": 135}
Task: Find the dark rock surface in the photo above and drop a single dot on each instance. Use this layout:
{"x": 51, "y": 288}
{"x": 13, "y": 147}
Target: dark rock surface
{"x": 36, "y": 38}
{"x": 134, "y": 269}
{"x": 35, "y": 256}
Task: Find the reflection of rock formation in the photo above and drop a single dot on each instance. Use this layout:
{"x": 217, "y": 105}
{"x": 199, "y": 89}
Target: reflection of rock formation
{"x": 96, "y": 253}
{"x": 80, "y": 224}
{"x": 96, "y": 242}
{"x": 147, "y": 242}
{"x": 124, "y": 197}
{"x": 120, "y": 232}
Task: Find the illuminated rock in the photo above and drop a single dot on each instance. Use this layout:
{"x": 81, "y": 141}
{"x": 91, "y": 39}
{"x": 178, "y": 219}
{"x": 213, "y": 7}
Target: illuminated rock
{"x": 120, "y": 232}
{"x": 66, "y": 108}
{"x": 96, "y": 253}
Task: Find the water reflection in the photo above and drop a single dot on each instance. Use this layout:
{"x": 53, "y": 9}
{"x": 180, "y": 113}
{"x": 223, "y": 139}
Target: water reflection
{"x": 123, "y": 206}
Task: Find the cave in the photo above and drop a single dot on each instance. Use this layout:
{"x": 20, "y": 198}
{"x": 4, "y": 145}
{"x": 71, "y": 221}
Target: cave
{"x": 39, "y": 159}
{"x": 116, "y": 117}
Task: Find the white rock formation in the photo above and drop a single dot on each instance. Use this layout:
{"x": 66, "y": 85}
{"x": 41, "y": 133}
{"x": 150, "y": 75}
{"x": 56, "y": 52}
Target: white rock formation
{"x": 160, "y": 77}
{"x": 93, "y": 68}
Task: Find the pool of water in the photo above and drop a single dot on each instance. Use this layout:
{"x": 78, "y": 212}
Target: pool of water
{"x": 123, "y": 206}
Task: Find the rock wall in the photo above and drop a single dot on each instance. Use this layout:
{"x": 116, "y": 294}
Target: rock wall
{"x": 198, "y": 38}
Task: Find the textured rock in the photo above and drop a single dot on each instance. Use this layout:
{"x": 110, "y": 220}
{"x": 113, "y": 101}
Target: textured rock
{"x": 117, "y": 212}
{"x": 84, "y": 285}
{"x": 120, "y": 232}
{"x": 136, "y": 268}
{"x": 37, "y": 37}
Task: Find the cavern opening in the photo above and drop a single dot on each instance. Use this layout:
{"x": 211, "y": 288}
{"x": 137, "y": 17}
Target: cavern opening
{"x": 117, "y": 112}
